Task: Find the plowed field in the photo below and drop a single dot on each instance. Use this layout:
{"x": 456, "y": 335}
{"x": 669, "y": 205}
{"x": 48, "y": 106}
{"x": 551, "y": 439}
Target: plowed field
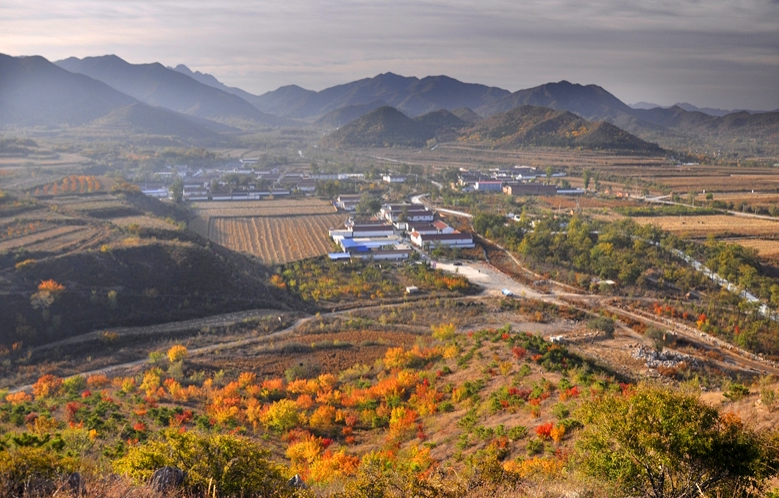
{"x": 277, "y": 239}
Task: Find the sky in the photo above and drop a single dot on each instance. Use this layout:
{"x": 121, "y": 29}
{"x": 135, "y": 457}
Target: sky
{"x": 713, "y": 53}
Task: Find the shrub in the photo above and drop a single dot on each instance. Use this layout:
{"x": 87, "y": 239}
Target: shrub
{"x": 602, "y": 324}
{"x": 177, "y": 353}
{"x": 662, "y": 442}
{"x": 74, "y": 385}
{"x": 443, "y": 332}
{"x": 282, "y": 416}
{"x": 22, "y": 468}
{"x": 222, "y": 464}
{"x": 46, "y": 386}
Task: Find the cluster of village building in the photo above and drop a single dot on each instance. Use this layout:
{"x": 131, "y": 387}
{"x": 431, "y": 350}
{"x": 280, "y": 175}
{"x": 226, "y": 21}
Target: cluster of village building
{"x": 210, "y": 184}
{"x": 393, "y": 231}
{"x": 517, "y": 181}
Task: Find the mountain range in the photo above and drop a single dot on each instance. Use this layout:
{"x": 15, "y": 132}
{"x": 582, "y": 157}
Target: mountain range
{"x": 410, "y": 95}
{"x": 157, "y": 85}
{"x": 81, "y": 92}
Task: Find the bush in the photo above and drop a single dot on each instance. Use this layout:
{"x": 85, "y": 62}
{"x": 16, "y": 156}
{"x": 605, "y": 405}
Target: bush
{"x": 74, "y": 385}
{"x": 31, "y": 469}
{"x": 225, "y": 465}
{"x": 602, "y": 324}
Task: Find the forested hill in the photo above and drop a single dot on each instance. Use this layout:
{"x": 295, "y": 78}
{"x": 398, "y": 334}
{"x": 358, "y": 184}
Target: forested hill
{"x": 528, "y": 126}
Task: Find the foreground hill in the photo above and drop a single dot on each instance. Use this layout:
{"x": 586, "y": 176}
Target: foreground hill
{"x": 410, "y": 95}
{"x": 33, "y": 91}
{"x": 388, "y": 127}
{"x": 119, "y": 263}
{"x": 156, "y": 85}
{"x": 528, "y": 126}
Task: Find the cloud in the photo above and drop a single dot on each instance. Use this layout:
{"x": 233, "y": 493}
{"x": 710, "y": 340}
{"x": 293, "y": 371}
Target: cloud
{"x": 714, "y": 52}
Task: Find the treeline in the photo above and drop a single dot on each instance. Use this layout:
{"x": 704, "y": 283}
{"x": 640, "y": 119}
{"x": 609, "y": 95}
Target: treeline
{"x": 672, "y": 210}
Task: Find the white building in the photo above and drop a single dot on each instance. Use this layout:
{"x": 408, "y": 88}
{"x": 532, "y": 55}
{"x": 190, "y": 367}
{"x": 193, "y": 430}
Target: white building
{"x": 442, "y": 239}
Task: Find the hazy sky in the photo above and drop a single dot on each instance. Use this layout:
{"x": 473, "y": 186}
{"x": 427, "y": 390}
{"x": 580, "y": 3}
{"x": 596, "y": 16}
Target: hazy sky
{"x": 719, "y": 53}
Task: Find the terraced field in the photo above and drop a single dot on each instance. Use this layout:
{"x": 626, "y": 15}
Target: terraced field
{"x": 50, "y": 240}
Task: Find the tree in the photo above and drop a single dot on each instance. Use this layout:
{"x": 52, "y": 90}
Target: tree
{"x": 587, "y": 176}
{"x": 368, "y": 205}
{"x": 549, "y": 171}
{"x": 177, "y": 189}
{"x": 660, "y": 443}
{"x": 222, "y": 465}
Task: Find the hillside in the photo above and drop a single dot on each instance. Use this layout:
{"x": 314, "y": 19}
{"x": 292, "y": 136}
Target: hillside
{"x": 529, "y": 126}
{"x": 156, "y": 85}
{"x": 120, "y": 264}
{"x": 589, "y": 102}
{"x": 681, "y": 126}
{"x": 384, "y": 127}
{"x": 467, "y": 115}
{"x": 210, "y": 80}
{"x": 33, "y": 91}
{"x": 347, "y": 114}
{"x": 410, "y": 95}
{"x": 388, "y": 127}
{"x": 441, "y": 124}
{"x": 140, "y": 118}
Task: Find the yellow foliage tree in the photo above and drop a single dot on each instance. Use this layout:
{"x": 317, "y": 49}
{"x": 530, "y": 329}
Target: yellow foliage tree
{"x": 177, "y": 353}
{"x": 282, "y": 416}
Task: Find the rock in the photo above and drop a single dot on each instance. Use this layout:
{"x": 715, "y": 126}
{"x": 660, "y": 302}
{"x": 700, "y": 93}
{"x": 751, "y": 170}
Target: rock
{"x": 75, "y": 484}
{"x": 297, "y": 482}
{"x": 167, "y": 478}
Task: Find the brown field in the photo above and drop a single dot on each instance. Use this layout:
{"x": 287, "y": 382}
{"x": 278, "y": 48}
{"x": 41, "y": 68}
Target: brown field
{"x": 569, "y": 202}
{"x": 758, "y": 199}
{"x": 264, "y": 208}
{"x": 768, "y": 249}
{"x": 276, "y": 239}
{"x": 701, "y": 226}
{"x": 45, "y": 240}
{"x": 724, "y": 183}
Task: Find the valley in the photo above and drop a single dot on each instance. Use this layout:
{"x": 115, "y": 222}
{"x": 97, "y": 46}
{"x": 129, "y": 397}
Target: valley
{"x": 395, "y": 286}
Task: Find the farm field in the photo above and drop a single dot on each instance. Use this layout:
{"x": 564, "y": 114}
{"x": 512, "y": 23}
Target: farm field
{"x": 702, "y": 226}
{"x": 42, "y": 240}
{"x": 277, "y": 231}
{"x": 725, "y": 183}
{"x": 758, "y": 199}
{"x": 264, "y": 208}
{"x": 768, "y": 249}
{"x": 278, "y": 239}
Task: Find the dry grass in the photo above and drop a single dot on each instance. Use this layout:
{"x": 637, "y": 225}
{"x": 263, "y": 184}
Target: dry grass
{"x": 702, "y": 226}
{"x": 141, "y": 221}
